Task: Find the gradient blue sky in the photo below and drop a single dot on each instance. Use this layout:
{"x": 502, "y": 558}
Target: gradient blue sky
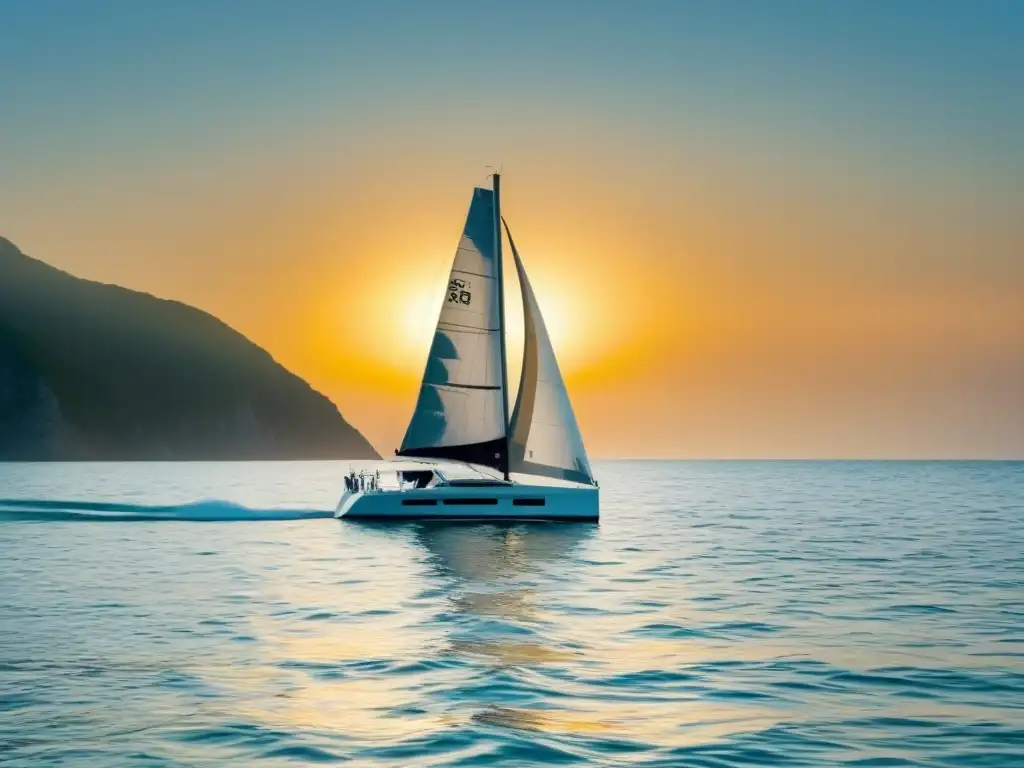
{"x": 834, "y": 189}
{"x": 924, "y": 77}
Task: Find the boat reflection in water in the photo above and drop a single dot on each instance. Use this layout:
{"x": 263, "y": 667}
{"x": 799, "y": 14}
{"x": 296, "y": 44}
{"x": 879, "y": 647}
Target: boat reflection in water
{"x": 498, "y": 579}
{"x": 526, "y": 627}
{"x": 504, "y": 589}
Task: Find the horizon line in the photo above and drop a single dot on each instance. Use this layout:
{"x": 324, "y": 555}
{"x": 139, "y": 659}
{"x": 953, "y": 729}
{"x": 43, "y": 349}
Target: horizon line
{"x": 648, "y": 459}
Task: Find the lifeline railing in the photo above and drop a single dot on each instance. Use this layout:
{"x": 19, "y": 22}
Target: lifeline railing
{"x": 365, "y": 481}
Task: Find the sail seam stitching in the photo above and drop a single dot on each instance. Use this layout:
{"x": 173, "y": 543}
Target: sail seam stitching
{"x": 469, "y": 327}
{"x": 466, "y": 386}
{"x": 474, "y": 274}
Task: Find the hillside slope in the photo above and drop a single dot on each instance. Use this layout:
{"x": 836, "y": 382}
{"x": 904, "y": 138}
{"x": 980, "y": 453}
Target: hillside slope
{"x": 90, "y": 371}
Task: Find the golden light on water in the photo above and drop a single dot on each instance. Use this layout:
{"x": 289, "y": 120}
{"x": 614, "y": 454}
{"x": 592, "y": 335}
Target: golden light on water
{"x": 331, "y": 683}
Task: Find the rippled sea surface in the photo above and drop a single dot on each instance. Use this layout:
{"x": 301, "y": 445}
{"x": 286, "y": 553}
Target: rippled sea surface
{"x": 721, "y": 614}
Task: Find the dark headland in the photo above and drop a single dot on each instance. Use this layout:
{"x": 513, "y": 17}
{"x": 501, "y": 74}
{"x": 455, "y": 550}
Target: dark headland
{"x": 95, "y": 372}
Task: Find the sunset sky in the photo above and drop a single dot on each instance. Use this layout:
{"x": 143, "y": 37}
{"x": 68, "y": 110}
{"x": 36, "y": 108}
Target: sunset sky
{"x": 785, "y": 229}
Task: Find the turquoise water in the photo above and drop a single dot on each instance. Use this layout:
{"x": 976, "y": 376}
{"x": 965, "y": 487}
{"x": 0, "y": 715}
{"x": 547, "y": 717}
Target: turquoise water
{"x": 722, "y": 614}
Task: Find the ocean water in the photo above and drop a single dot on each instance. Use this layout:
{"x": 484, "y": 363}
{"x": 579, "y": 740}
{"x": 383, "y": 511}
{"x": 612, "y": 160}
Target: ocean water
{"x": 721, "y": 614}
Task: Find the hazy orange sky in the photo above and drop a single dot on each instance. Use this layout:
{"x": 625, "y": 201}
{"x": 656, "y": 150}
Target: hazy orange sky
{"x": 781, "y": 230}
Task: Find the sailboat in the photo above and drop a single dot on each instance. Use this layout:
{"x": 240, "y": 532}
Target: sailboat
{"x": 464, "y": 456}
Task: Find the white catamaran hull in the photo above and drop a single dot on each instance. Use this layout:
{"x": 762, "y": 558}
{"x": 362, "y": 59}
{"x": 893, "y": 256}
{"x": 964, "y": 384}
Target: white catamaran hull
{"x": 490, "y": 503}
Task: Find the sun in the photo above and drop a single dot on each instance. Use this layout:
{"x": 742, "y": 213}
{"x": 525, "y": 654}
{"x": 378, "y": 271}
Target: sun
{"x": 392, "y": 325}
{"x": 420, "y": 304}
{"x": 417, "y": 311}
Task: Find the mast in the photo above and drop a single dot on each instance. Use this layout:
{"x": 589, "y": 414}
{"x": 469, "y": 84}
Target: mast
{"x": 501, "y": 318}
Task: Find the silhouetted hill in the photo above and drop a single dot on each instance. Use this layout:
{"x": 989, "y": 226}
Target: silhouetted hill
{"x": 90, "y": 371}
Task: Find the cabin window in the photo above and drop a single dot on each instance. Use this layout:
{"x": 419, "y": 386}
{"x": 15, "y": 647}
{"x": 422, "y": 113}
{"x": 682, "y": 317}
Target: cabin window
{"x": 528, "y": 502}
{"x": 420, "y": 478}
{"x": 467, "y": 501}
{"x": 419, "y": 502}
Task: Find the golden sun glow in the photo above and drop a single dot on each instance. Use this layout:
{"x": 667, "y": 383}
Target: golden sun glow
{"x": 399, "y": 315}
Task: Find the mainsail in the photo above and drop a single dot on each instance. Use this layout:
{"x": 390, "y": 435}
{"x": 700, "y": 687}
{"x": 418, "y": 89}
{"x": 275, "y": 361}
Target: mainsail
{"x": 544, "y": 438}
{"x": 461, "y": 410}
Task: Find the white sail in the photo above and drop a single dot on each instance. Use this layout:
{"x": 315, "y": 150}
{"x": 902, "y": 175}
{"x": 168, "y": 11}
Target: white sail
{"x": 544, "y": 438}
{"x": 460, "y": 410}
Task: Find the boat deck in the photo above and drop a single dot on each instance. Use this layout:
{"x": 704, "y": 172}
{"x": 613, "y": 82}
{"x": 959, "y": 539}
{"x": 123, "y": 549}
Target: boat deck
{"x": 421, "y": 494}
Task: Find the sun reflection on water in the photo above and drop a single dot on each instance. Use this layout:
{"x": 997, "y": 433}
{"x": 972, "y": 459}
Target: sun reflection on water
{"x": 471, "y": 610}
